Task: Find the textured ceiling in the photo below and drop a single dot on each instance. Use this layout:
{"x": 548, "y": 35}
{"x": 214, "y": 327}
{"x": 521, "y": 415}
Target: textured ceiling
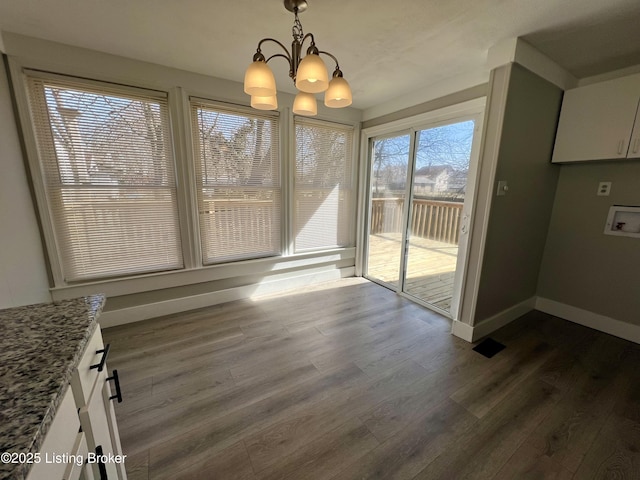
{"x": 386, "y": 49}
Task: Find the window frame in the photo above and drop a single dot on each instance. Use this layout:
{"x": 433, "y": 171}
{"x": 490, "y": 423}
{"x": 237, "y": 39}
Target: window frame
{"x": 35, "y": 168}
{"x": 96, "y": 68}
{"x": 192, "y": 138}
{"x": 353, "y": 186}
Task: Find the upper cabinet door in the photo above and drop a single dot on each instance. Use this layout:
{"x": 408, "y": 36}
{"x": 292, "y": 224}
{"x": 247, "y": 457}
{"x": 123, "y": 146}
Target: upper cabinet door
{"x": 596, "y": 121}
{"x": 634, "y": 145}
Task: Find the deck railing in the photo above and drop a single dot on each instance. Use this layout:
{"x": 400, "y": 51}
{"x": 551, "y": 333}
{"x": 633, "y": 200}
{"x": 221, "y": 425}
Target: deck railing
{"x": 430, "y": 219}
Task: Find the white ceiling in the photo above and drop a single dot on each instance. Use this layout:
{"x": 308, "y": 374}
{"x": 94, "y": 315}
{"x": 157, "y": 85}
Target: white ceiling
{"x": 386, "y": 49}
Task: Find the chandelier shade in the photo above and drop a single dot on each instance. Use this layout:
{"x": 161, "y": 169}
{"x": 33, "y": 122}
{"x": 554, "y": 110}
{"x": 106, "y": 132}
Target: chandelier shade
{"x": 264, "y": 103}
{"x": 312, "y": 76}
{"x": 338, "y": 94}
{"x": 305, "y": 104}
{"x": 308, "y": 72}
{"x": 259, "y": 80}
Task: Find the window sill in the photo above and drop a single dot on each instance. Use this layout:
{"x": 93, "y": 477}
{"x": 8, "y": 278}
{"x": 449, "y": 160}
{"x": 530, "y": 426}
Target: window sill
{"x": 175, "y": 278}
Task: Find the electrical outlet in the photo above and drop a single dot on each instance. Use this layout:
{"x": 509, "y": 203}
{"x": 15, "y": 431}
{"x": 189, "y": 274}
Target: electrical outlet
{"x": 604, "y": 188}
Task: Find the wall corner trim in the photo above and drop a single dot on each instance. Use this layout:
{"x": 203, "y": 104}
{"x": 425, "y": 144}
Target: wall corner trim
{"x": 493, "y": 323}
{"x": 516, "y": 50}
{"x": 602, "y": 323}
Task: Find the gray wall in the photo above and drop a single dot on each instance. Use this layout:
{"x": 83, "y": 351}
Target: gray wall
{"x": 23, "y": 276}
{"x": 582, "y": 266}
{"x": 518, "y": 221}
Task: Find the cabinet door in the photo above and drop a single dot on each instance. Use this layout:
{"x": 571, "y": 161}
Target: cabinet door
{"x": 596, "y": 121}
{"x": 634, "y": 147}
{"x": 113, "y": 428}
{"x": 77, "y": 470}
{"x": 93, "y": 418}
{"x": 60, "y": 439}
{"x": 83, "y": 377}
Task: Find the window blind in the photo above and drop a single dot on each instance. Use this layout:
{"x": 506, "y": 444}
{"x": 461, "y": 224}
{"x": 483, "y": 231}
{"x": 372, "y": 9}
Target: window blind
{"x": 238, "y": 182}
{"x": 108, "y": 172}
{"x": 323, "y": 188}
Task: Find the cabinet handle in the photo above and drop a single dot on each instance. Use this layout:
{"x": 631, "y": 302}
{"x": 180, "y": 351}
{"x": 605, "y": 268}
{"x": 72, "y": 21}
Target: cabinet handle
{"x": 105, "y": 354}
{"x": 636, "y": 144}
{"x": 620, "y": 146}
{"x": 102, "y": 468}
{"x": 116, "y": 381}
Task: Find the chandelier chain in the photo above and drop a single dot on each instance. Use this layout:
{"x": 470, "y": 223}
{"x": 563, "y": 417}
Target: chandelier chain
{"x": 296, "y": 30}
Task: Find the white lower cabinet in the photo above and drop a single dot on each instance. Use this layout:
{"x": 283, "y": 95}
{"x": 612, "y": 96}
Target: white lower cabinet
{"x": 97, "y": 415}
{"x": 108, "y": 398}
{"x": 79, "y": 470}
{"x": 83, "y": 442}
{"x": 94, "y": 418}
{"x": 59, "y": 440}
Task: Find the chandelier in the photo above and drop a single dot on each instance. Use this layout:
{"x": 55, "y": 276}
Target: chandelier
{"x": 308, "y": 73}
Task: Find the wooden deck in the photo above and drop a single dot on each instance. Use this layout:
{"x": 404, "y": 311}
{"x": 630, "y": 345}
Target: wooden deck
{"x": 430, "y": 270}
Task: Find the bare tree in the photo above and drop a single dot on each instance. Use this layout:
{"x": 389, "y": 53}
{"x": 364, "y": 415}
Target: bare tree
{"x": 320, "y": 157}
{"x": 102, "y": 139}
{"x": 235, "y": 150}
{"x": 440, "y": 152}
{"x": 390, "y": 159}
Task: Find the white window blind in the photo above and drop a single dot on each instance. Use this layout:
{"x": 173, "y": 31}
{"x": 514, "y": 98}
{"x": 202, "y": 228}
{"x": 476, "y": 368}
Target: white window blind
{"x": 108, "y": 172}
{"x": 238, "y": 182}
{"x": 323, "y": 185}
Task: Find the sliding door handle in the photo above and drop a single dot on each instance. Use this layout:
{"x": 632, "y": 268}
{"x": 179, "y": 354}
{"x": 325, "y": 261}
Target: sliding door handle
{"x": 465, "y": 224}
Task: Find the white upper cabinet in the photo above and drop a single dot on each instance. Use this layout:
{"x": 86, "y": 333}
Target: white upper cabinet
{"x": 597, "y": 122}
{"x": 634, "y": 145}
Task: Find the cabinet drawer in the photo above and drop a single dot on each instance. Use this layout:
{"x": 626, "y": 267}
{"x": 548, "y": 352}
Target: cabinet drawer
{"x": 84, "y": 378}
{"x": 59, "y": 441}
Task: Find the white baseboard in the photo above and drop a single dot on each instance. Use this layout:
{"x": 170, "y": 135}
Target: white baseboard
{"x": 175, "y": 305}
{"x": 462, "y": 330}
{"x": 491, "y": 324}
{"x": 589, "y": 319}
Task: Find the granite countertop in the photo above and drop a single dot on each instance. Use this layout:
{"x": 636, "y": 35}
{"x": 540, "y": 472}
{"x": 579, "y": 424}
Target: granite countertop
{"x": 40, "y": 345}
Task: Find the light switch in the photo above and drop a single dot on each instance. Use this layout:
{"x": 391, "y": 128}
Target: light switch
{"x": 604, "y": 188}
{"x": 503, "y": 188}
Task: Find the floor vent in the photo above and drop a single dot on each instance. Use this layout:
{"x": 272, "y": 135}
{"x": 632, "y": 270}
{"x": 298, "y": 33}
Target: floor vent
{"x": 489, "y": 347}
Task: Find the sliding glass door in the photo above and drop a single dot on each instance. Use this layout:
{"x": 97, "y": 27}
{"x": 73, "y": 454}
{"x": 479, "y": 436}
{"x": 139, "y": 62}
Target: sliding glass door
{"x": 389, "y": 190}
{"x": 440, "y": 178}
{"x": 421, "y": 192}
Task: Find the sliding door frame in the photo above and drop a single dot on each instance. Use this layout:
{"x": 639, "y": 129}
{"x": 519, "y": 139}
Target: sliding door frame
{"x": 470, "y": 110}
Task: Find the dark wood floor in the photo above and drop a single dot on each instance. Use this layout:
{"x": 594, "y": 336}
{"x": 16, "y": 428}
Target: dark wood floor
{"x": 349, "y": 381}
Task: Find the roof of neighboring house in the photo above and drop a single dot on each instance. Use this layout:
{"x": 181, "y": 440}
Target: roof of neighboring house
{"x": 434, "y": 170}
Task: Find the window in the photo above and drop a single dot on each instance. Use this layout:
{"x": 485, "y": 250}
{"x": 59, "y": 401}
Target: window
{"x": 108, "y": 173}
{"x": 238, "y": 182}
{"x": 323, "y": 185}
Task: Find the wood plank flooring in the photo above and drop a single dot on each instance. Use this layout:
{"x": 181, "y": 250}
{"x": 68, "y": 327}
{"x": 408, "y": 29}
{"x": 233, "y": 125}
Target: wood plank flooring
{"x": 347, "y": 380}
